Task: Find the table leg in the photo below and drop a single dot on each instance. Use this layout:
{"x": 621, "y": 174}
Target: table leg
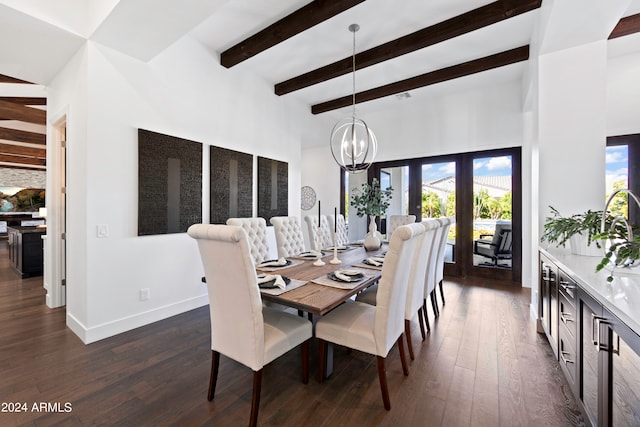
{"x": 329, "y": 368}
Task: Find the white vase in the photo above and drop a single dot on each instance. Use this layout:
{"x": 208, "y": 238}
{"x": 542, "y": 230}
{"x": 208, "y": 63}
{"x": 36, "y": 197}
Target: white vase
{"x": 371, "y": 241}
{"x": 578, "y": 243}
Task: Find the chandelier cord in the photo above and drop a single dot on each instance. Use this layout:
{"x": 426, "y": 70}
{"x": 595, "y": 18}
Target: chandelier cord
{"x": 353, "y": 63}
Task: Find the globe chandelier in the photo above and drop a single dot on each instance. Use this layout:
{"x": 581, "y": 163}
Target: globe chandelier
{"x": 353, "y": 144}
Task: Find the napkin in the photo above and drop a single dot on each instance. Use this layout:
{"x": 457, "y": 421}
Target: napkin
{"x": 375, "y": 261}
{"x": 274, "y": 263}
{"x": 345, "y": 277}
{"x": 279, "y": 281}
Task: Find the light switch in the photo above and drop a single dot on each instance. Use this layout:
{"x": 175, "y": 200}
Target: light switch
{"x": 102, "y": 230}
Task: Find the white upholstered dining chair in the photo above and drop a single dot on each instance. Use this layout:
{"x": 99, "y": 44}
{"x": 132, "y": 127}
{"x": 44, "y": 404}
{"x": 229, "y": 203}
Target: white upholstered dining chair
{"x": 289, "y": 237}
{"x": 326, "y": 233}
{"x": 446, "y": 224}
{"x": 256, "y": 229}
{"x": 430, "y": 274}
{"x": 374, "y": 329}
{"x": 241, "y": 328}
{"x": 415, "y": 290}
{"x": 395, "y": 221}
{"x": 342, "y": 234}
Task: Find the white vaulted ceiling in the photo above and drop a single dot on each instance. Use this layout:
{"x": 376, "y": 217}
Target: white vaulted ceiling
{"x": 38, "y": 37}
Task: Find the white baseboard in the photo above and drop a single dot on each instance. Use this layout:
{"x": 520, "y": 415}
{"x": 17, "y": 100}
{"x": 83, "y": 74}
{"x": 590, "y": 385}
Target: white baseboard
{"x": 533, "y": 311}
{"x": 109, "y": 329}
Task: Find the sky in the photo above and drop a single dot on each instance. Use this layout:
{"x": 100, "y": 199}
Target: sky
{"x": 616, "y": 165}
{"x": 489, "y": 166}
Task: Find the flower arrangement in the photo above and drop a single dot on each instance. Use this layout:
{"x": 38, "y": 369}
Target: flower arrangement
{"x": 371, "y": 199}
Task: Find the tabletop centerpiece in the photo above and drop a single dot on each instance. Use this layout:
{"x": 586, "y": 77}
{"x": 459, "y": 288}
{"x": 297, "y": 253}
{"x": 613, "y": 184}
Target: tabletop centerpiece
{"x": 373, "y": 201}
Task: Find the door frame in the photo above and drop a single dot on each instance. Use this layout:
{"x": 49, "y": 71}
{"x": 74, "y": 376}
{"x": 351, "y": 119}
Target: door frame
{"x": 463, "y": 265}
{"x": 55, "y": 245}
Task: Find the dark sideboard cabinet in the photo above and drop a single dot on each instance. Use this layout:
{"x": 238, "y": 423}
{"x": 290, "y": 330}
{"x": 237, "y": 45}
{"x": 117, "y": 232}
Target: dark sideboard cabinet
{"x": 597, "y": 352}
{"x": 25, "y": 250}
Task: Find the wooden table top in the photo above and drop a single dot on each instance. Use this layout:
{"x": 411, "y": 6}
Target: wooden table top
{"x": 319, "y": 299}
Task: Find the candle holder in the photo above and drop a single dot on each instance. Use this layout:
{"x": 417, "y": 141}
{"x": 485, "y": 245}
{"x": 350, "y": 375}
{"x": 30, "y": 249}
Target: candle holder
{"x": 335, "y": 259}
{"x": 318, "y": 262}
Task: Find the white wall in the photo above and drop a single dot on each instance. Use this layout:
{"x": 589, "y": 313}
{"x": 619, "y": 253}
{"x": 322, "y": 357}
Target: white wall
{"x": 183, "y": 92}
{"x": 623, "y": 94}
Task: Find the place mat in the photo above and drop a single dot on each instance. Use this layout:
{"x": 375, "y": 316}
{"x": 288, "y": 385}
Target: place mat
{"x": 326, "y": 281}
{"x": 279, "y": 267}
{"x": 293, "y": 284}
{"x": 307, "y": 256}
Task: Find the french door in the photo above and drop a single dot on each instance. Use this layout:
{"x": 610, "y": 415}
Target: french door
{"x": 482, "y": 190}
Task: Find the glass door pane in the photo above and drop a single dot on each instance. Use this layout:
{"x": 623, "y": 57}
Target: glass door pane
{"x": 439, "y": 198}
{"x": 492, "y": 212}
{"x": 398, "y": 179}
{"x": 617, "y": 178}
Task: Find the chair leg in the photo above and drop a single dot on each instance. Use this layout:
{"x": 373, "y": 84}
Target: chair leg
{"x": 213, "y": 379}
{"x": 421, "y": 322}
{"x": 407, "y": 332}
{"x": 382, "y": 375}
{"x": 434, "y": 304}
{"x": 426, "y": 317}
{"x": 441, "y": 293}
{"x": 403, "y": 358}
{"x": 322, "y": 359}
{"x": 255, "y": 399}
{"x": 305, "y": 362}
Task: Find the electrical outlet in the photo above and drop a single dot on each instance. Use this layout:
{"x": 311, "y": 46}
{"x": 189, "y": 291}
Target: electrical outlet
{"x": 102, "y": 230}
{"x": 145, "y": 294}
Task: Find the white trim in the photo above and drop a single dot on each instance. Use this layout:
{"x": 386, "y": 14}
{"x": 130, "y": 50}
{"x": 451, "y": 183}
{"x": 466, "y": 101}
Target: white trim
{"x": 109, "y": 329}
{"x": 56, "y": 293}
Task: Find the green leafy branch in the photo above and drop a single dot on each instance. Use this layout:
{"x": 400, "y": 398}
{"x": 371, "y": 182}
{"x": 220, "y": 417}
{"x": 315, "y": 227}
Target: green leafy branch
{"x": 371, "y": 199}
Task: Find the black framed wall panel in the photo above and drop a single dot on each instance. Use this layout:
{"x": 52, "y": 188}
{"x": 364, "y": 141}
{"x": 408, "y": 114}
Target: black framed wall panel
{"x": 273, "y": 188}
{"x": 231, "y": 185}
{"x": 169, "y": 183}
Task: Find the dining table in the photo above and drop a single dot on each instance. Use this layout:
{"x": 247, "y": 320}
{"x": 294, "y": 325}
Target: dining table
{"x": 318, "y": 299}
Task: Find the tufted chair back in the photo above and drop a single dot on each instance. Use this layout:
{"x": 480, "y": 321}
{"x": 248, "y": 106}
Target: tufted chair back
{"x": 446, "y": 224}
{"x": 392, "y": 289}
{"x": 326, "y": 233}
{"x": 234, "y": 298}
{"x": 396, "y": 221}
{"x": 256, "y": 229}
{"x": 342, "y": 236}
{"x": 415, "y": 293}
{"x": 289, "y": 237}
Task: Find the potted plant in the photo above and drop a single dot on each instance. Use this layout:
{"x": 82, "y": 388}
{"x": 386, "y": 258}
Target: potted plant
{"x": 620, "y": 239}
{"x": 371, "y": 200}
{"x": 579, "y": 229}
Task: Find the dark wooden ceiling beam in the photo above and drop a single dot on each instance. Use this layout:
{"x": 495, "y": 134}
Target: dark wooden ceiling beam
{"x": 23, "y": 136}
{"x": 460, "y": 70}
{"x": 445, "y": 30}
{"x": 22, "y": 160}
{"x": 302, "y": 19}
{"x": 626, "y": 26}
{"x": 25, "y": 100}
{"x": 21, "y": 150}
{"x": 13, "y": 111}
{"x": 9, "y": 79}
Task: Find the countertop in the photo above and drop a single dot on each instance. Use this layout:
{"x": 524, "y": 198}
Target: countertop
{"x": 28, "y": 229}
{"x": 621, "y": 297}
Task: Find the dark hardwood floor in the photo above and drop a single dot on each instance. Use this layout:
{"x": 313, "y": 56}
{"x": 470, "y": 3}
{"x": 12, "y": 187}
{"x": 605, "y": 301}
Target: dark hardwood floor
{"x": 482, "y": 365}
